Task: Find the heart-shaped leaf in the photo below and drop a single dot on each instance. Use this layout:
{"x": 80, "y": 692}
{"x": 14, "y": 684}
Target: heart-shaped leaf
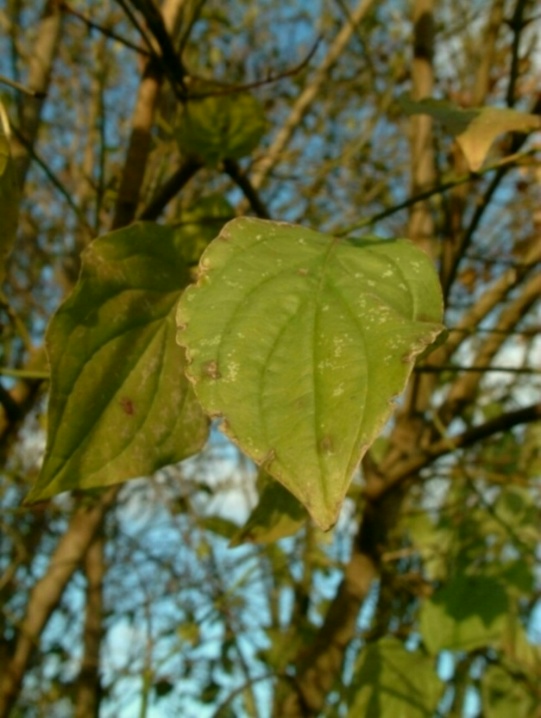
{"x": 222, "y": 126}
{"x": 301, "y": 341}
{"x": 120, "y": 405}
{"x": 475, "y": 129}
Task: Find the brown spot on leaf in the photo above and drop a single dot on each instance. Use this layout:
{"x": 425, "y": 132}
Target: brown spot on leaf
{"x": 326, "y": 445}
{"x": 127, "y": 405}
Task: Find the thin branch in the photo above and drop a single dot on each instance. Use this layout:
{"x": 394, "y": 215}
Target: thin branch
{"x": 230, "y": 89}
{"x": 25, "y": 373}
{"x": 196, "y": 12}
{"x": 137, "y": 25}
{"x": 172, "y": 64}
{"x": 308, "y": 95}
{"x": 477, "y": 369}
{"x": 412, "y": 465}
{"x": 502, "y": 169}
{"x": 53, "y": 179}
{"x": 505, "y": 162}
{"x": 37, "y": 94}
{"x": 170, "y": 188}
{"x": 517, "y": 25}
{"x": 504, "y": 422}
{"x": 241, "y": 180}
{"x": 104, "y": 30}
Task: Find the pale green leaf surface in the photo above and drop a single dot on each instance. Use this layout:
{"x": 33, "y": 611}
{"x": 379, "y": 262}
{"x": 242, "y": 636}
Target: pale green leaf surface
{"x": 391, "y": 682}
{"x": 8, "y": 204}
{"x": 220, "y": 127}
{"x": 467, "y": 613}
{"x": 475, "y": 129}
{"x": 277, "y": 514}
{"x": 120, "y": 405}
{"x": 301, "y": 342}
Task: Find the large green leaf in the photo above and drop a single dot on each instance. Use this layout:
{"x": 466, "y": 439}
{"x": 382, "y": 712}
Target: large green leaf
{"x": 8, "y": 202}
{"x": 120, "y": 405}
{"x": 301, "y": 341}
{"x": 391, "y": 682}
{"x": 220, "y": 127}
{"x": 467, "y": 613}
{"x": 475, "y": 129}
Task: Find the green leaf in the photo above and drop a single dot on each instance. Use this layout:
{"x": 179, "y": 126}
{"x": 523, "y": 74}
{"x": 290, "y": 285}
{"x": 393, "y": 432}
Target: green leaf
{"x": 277, "y": 514}
{"x": 391, "y": 682}
{"x": 301, "y": 342}
{"x": 120, "y": 405}
{"x": 504, "y": 695}
{"x": 9, "y": 204}
{"x": 474, "y": 129}
{"x": 469, "y": 612}
{"x": 220, "y": 127}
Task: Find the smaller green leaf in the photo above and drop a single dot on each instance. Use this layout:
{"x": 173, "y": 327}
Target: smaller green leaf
{"x": 120, "y": 405}
{"x": 220, "y": 127}
{"x": 469, "y": 612}
{"x": 277, "y": 514}
{"x": 9, "y": 197}
{"x": 391, "y": 682}
{"x": 474, "y": 129}
{"x": 504, "y": 695}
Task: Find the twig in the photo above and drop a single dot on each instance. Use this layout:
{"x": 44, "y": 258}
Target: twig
{"x": 412, "y": 465}
{"x": 450, "y": 184}
{"x": 239, "y": 178}
{"x": 170, "y": 188}
{"x": 104, "y": 30}
{"x": 53, "y": 179}
{"x": 230, "y": 89}
{"x": 21, "y": 88}
{"x": 172, "y": 64}
{"x": 25, "y": 373}
{"x": 479, "y": 369}
{"x": 137, "y": 25}
{"x": 517, "y": 24}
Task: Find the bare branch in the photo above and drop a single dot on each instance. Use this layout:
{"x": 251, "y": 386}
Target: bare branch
{"x": 233, "y": 170}
{"x": 103, "y": 30}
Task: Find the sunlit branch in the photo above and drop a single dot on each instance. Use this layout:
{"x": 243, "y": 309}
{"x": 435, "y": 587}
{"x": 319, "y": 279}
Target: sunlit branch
{"x": 21, "y": 88}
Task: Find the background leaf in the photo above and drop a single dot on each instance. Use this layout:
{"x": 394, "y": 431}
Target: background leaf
{"x": 301, "y": 342}
{"x": 219, "y": 127}
{"x": 112, "y": 351}
{"x": 469, "y": 612}
{"x": 391, "y": 682}
{"x": 475, "y": 129}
